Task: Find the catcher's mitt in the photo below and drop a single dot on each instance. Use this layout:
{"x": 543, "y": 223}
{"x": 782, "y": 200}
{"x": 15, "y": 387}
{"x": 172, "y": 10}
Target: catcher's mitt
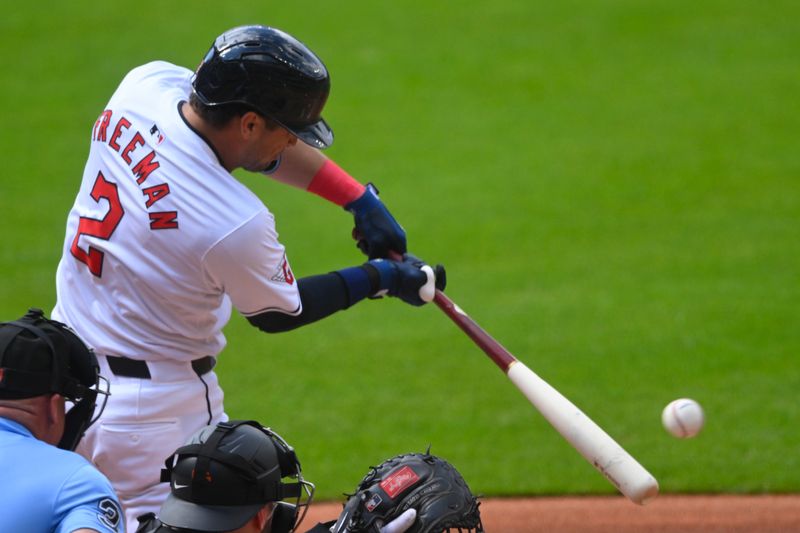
{"x": 427, "y": 483}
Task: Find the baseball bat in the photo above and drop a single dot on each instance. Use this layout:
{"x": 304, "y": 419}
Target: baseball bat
{"x": 589, "y": 439}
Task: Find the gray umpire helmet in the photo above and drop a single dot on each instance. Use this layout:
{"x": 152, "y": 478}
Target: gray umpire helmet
{"x": 271, "y": 72}
{"x": 40, "y": 356}
{"x": 225, "y": 475}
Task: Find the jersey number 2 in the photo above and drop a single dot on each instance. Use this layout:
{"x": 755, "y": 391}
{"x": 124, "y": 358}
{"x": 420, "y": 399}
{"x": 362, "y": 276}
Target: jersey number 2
{"x": 102, "y": 229}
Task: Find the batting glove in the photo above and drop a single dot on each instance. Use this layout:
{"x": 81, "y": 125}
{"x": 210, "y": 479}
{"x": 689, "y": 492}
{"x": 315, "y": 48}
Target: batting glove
{"x": 411, "y": 280}
{"x": 376, "y": 230}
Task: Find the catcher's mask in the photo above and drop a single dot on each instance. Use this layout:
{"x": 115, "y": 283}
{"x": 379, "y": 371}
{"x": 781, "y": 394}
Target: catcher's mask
{"x": 41, "y": 356}
{"x": 225, "y": 475}
{"x": 271, "y": 72}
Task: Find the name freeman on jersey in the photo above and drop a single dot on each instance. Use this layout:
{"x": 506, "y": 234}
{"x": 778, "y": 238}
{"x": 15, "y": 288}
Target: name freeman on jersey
{"x": 141, "y": 170}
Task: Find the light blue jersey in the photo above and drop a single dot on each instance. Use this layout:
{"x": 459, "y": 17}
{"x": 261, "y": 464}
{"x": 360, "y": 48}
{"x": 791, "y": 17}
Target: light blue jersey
{"x": 44, "y": 488}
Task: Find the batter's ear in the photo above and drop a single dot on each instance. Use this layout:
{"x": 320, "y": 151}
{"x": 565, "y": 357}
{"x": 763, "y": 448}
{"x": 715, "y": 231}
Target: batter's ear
{"x": 248, "y": 123}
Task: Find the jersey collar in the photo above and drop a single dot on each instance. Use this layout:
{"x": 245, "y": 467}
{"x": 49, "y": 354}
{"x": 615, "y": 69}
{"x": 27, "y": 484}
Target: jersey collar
{"x": 203, "y": 137}
{"x": 12, "y": 426}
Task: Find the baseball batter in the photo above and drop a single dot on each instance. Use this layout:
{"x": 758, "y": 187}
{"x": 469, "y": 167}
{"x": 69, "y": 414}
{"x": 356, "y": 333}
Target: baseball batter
{"x": 163, "y": 241}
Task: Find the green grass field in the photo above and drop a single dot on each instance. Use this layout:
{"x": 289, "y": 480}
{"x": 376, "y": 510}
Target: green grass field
{"x": 613, "y": 186}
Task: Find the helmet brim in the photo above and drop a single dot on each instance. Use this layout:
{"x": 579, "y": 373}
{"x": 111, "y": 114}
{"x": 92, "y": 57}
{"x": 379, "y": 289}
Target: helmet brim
{"x": 319, "y": 135}
{"x": 180, "y": 513}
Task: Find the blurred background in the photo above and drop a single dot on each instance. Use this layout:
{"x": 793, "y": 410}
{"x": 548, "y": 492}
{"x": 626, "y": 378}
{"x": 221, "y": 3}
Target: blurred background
{"x": 613, "y": 186}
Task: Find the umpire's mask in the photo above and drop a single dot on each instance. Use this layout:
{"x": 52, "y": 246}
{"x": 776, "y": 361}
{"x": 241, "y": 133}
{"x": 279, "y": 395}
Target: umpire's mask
{"x": 40, "y": 356}
{"x": 226, "y": 474}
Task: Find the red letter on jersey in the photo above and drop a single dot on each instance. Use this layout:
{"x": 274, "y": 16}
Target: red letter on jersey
{"x": 144, "y": 167}
{"x": 126, "y": 152}
{"x": 164, "y": 220}
{"x": 123, "y": 123}
{"x": 100, "y": 127}
{"x": 155, "y": 193}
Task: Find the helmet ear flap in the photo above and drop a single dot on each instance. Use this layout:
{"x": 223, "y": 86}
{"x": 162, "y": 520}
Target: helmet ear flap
{"x": 82, "y": 360}
{"x": 77, "y": 420}
{"x": 81, "y": 387}
{"x": 287, "y": 458}
{"x": 284, "y": 517}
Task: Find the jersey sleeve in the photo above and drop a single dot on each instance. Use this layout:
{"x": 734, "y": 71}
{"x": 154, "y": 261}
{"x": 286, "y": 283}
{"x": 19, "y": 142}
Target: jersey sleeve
{"x": 86, "y": 500}
{"x": 250, "y": 266}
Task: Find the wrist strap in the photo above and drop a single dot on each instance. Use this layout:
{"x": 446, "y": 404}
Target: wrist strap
{"x": 360, "y": 281}
{"x": 335, "y": 185}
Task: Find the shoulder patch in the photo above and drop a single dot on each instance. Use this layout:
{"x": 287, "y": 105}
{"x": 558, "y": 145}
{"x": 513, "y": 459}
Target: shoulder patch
{"x": 109, "y": 513}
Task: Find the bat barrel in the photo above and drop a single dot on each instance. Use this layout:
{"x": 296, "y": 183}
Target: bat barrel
{"x": 596, "y": 446}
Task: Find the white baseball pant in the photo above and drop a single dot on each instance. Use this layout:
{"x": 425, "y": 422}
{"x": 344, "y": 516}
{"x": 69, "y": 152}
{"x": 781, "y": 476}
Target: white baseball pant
{"x": 145, "y": 421}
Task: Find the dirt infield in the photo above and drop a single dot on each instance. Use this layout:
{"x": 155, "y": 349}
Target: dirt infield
{"x": 666, "y": 514}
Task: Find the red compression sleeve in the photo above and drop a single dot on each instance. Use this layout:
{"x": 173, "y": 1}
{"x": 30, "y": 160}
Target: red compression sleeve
{"x": 335, "y": 185}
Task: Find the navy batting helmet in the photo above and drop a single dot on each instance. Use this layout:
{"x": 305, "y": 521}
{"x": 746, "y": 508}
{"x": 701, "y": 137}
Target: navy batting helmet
{"x": 272, "y": 72}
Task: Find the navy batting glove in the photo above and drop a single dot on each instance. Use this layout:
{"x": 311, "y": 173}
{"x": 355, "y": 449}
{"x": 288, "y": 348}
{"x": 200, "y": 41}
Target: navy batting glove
{"x": 376, "y": 231}
{"x": 411, "y": 279}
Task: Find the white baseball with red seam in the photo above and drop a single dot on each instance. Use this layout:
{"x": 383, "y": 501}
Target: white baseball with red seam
{"x": 683, "y": 418}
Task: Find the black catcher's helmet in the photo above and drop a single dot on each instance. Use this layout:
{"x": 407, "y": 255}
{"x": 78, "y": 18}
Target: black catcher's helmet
{"x": 225, "y": 475}
{"x": 42, "y": 356}
{"x": 272, "y": 72}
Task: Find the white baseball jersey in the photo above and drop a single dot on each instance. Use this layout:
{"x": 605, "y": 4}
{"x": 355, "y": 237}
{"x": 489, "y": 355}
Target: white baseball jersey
{"x": 162, "y": 241}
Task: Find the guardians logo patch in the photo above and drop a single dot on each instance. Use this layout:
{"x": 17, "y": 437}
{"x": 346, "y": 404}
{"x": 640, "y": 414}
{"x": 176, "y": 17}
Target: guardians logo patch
{"x": 283, "y": 272}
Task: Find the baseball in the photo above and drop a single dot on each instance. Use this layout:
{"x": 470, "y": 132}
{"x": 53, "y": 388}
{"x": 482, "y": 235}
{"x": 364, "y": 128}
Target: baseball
{"x": 683, "y": 418}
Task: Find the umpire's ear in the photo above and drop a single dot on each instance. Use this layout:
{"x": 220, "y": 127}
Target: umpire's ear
{"x": 54, "y": 414}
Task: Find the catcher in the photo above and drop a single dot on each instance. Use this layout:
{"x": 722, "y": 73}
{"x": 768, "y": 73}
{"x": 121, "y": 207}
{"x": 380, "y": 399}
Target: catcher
{"x": 230, "y": 478}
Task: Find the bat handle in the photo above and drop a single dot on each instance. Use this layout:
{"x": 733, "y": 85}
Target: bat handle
{"x": 496, "y": 352}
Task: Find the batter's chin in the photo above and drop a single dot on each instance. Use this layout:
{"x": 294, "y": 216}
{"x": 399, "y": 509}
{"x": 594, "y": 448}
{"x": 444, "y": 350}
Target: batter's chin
{"x": 271, "y": 167}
